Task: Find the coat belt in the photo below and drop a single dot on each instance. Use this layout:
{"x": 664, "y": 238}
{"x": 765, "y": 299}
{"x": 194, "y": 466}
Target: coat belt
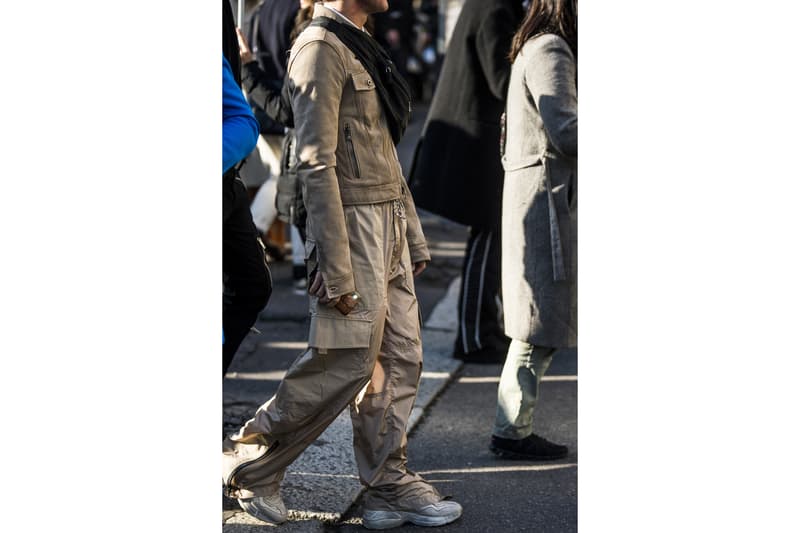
{"x": 556, "y": 247}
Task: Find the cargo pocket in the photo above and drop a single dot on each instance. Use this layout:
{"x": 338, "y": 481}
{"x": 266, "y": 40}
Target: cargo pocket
{"x": 328, "y": 332}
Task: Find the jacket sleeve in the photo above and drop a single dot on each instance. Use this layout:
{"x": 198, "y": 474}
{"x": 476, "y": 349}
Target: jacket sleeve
{"x": 493, "y": 42}
{"x": 550, "y": 76}
{"x": 266, "y": 94}
{"x": 316, "y": 80}
{"x": 417, "y": 245}
{"x": 239, "y": 126}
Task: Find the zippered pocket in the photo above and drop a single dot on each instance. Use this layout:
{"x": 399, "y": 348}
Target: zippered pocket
{"x": 348, "y": 138}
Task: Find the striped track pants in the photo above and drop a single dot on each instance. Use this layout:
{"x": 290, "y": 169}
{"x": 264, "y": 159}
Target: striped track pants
{"x": 479, "y": 305}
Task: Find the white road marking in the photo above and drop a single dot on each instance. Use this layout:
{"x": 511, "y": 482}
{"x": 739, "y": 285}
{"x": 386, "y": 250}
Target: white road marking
{"x": 496, "y": 379}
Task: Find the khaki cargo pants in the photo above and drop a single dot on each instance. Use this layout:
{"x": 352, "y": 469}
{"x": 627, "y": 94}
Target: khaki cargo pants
{"x": 339, "y": 369}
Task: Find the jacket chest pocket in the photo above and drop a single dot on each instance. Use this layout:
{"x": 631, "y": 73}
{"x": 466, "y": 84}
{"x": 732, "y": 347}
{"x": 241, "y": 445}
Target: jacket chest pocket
{"x": 366, "y": 98}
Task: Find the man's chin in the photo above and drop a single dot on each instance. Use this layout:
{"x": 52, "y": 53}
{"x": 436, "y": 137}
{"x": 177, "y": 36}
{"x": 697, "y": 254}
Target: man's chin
{"x": 371, "y": 7}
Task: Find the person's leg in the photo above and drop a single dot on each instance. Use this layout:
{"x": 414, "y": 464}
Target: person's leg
{"x": 489, "y": 327}
{"x": 247, "y": 284}
{"x": 322, "y": 381}
{"x": 518, "y": 391}
{"x": 480, "y": 335}
{"x": 468, "y": 294}
{"x": 517, "y": 396}
{"x": 317, "y": 387}
{"x": 380, "y": 418}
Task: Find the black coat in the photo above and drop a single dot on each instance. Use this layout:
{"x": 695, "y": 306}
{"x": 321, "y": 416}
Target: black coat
{"x": 269, "y": 35}
{"x": 457, "y": 171}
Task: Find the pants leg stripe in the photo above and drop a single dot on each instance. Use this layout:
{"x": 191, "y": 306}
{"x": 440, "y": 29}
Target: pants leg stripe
{"x": 465, "y": 289}
{"x": 480, "y": 291}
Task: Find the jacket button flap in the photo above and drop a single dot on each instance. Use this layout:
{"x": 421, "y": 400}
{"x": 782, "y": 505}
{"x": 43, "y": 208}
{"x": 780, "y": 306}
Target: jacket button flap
{"x": 363, "y": 82}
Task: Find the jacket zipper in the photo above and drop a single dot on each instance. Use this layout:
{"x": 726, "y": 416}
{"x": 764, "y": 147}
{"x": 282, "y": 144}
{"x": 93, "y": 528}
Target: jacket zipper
{"x": 348, "y": 137}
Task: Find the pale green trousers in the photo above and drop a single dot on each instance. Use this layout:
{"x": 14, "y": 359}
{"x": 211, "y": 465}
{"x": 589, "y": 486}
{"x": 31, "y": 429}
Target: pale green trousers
{"x": 518, "y": 390}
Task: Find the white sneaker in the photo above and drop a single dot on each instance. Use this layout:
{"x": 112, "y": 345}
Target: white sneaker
{"x": 435, "y": 514}
{"x": 299, "y": 286}
{"x": 268, "y": 509}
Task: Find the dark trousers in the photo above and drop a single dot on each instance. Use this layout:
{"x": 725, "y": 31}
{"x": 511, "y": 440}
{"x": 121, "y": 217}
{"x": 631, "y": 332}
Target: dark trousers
{"x": 479, "y": 308}
{"x": 247, "y": 283}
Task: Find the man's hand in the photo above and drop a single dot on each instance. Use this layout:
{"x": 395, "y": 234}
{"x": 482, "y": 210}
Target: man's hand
{"x": 419, "y": 267}
{"x": 318, "y": 289}
{"x": 244, "y": 50}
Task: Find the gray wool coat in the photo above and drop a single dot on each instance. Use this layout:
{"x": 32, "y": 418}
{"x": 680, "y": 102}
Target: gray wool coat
{"x": 540, "y": 207}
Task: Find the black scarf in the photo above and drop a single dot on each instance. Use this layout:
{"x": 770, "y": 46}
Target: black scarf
{"x": 392, "y": 88}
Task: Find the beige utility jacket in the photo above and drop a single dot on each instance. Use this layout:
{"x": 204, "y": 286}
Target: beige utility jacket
{"x": 345, "y": 153}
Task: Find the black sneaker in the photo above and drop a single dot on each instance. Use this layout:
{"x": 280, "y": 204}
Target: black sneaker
{"x": 532, "y": 447}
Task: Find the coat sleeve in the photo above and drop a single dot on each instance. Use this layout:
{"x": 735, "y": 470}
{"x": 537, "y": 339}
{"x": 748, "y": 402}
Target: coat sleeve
{"x": 550, "y": 75}
{"x": 266, "y": 94}
{"x": 316, "y": 80}
{"x": 239, "y": 126}
{"x": 493, "y": 42}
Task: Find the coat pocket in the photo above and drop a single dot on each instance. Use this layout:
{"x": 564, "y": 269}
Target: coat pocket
{"x": 333, "y": 333}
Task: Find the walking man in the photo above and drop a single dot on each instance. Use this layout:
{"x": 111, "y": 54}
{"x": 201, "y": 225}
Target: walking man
{"x": 364, "y": 246}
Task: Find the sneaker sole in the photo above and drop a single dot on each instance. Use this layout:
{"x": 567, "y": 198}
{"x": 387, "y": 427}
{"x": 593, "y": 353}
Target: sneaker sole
{"x": 390, "y": 519}
{"x": 264, "y": 517}
{"x": 506, "y": 454}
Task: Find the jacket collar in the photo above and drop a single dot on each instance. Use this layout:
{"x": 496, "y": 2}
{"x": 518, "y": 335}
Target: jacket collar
{"x": 321, "y": 11}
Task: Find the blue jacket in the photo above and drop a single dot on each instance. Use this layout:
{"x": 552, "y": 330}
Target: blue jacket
{"x": 239, "y": 126}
